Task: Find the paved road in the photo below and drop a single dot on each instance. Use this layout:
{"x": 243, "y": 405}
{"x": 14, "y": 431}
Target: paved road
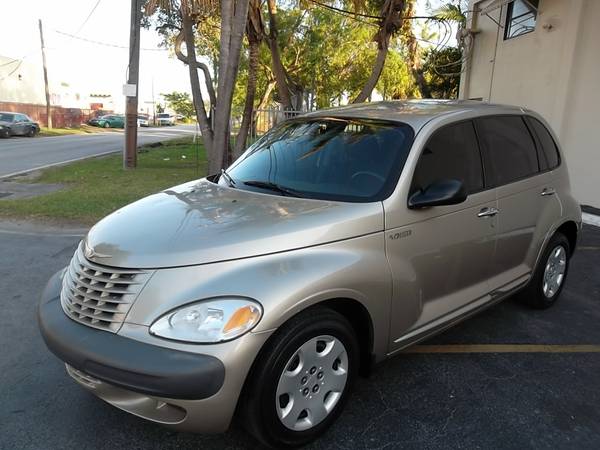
{"x": 414, "y": 401}
{"x": 19, "y": 154}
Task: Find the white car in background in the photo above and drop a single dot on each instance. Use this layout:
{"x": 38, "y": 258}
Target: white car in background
{"x": 165, "y": 119}
{"x": 143, "y": 120}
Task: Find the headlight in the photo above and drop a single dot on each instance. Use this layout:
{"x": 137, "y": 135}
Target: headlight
{"x": 209, "y": 321}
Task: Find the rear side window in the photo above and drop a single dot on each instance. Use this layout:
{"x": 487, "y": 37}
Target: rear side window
{"x": 549, "y": 158}
{"x": 451, "y": 153}
{"x": 510, "y": 150}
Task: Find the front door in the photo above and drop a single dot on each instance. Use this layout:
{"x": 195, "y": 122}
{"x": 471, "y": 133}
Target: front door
{"x": 440, "y": 262}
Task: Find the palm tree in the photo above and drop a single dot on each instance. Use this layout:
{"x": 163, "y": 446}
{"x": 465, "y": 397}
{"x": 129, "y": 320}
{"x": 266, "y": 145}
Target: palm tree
{"x": 233, "y": 14}
{"x": 452, "y": 12}
{"x": 255, "y": 33}
{"x": 390, "y": 22}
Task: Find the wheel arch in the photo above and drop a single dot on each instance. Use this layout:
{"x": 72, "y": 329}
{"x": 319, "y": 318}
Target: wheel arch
{"x": 570, "y": 230}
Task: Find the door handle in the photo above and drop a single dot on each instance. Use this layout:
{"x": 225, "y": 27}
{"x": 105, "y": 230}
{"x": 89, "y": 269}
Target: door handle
{"x": 487, "y": 212}
{"x": 548, "y": 191}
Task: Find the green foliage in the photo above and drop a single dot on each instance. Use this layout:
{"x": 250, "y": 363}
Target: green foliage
{"x": 442, "y": 71}
{"x": 181, "y": 103}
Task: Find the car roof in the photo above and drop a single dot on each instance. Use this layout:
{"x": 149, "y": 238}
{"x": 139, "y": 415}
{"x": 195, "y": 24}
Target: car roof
{"x": 415, "y": 113}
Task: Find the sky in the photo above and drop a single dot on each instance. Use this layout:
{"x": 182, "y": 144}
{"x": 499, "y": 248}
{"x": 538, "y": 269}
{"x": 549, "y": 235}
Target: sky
{"x": 88, "y": 66}
{"x": 96, "y": 68}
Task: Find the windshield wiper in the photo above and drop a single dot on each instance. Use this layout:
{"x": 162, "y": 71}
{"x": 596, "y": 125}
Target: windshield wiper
{"x": 274, "y": 187}
{"x": 228, "y": 178}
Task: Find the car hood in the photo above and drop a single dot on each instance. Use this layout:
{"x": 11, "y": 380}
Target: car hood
{"x": 201, "y": 222}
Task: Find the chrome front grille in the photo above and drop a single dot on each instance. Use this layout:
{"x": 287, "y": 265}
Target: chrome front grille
{"x": 99, "y": 296}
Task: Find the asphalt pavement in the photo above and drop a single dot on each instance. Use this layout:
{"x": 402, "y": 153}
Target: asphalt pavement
{"x": 19, "y": 154}
{"x": 541, "y": 400}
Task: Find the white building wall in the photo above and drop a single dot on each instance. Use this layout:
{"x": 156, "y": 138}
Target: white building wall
{"x": 554, "y": 70}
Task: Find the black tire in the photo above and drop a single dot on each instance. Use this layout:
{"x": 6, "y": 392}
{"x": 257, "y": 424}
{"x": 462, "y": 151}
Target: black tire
{"x": 31, "y": 132}
{"x": 257, "y": 403}
{"x": 533, "y": 295}
{"x": 106, "y": 125}
{"x": 5, "y": 133}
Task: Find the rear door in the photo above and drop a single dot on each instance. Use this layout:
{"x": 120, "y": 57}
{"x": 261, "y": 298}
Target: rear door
{"x": 512, "y": 165}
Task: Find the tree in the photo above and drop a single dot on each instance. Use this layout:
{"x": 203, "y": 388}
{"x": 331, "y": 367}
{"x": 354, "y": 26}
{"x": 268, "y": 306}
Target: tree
{"x": 442, "y": 71}
{"x": 183, "y": 16}
{"x": 255, "y": 33}
{"x": 390, "y": 22}
{"x": 181, "y": 103}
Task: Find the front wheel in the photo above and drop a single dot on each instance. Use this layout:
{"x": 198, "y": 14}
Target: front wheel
{"x": 31, "y": 132}
{"x": 549, "y": 276}
{"x": 301, "y": 380}
{"x": 106, "y": 125}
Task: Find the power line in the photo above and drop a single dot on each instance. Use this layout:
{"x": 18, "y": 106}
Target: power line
{"x": 107, "y": 44}
{"x": 12, "y": 71}
{"x": 88, "y": 17}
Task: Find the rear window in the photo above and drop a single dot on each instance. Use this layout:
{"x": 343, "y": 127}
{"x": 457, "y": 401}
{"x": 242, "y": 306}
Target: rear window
{"x": 510, "y": 150}
{"x": 549, "y": 158}
{"x": 333, "y": 159}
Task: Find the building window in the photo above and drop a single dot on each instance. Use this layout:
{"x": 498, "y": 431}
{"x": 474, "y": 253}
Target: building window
{"x": 520, "y": 18}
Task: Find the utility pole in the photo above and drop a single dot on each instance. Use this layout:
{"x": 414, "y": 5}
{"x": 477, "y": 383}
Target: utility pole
{"x": 131, "y": 89}
{"x": 48, "y": 112}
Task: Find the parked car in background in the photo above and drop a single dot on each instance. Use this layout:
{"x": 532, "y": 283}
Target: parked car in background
{"x": 16, "y": 124}
{"x": 143, "y": 120}
{"x": 335, "y": 241}
{"x": 108, "y": 121}
{"x": 165, "y": 119}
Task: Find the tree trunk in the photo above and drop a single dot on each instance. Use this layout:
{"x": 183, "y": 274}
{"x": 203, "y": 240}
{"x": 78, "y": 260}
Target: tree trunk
{"x": 234, "y": 14}
{"x": 201, "y": 115}
{"x": 240, "y": 142}
{"x": 279, "y": 71}
{"x": 370, "y": 84}
{"x": 255, "y": 33}
{"x": 391, "y": 21}
{"x": 208, "y": 81}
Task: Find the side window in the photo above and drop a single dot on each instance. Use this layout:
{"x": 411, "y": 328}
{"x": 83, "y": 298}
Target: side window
{"x": 549, "y": 153}
{"x": 510, "y": 150}
{"x": 451, "y": 153}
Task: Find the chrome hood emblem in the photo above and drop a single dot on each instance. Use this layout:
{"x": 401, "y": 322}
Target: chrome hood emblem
{"x": 90, "y": 253}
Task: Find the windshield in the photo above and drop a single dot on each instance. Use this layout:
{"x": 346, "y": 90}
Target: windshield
{"x": 163, "y": 116}
{"x": 6, "y": 117}
{"x": 331, "y": 159}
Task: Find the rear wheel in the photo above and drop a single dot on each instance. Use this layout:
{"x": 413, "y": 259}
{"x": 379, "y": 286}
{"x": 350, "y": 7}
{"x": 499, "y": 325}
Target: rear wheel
{"x": 549, "y": 277}
{"x": 5, "y": 133}
{"x": 300, "y": 382}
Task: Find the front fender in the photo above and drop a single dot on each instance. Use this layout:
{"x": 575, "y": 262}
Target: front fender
{"x": 284, "y": 283}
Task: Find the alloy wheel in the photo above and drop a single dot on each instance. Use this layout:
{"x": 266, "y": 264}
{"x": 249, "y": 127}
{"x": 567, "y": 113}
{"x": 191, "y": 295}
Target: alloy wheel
{"x": 554, "y": 273}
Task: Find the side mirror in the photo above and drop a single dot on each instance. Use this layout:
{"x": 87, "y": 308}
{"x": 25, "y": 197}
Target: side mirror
{"x": 439, "y": 193}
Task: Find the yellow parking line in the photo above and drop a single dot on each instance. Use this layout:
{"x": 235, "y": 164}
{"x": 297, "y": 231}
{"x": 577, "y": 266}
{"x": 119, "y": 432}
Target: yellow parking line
{"x": 503, "y": 348}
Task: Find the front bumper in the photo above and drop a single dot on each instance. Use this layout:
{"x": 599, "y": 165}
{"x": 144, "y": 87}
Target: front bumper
{"x": 185, "y": 390}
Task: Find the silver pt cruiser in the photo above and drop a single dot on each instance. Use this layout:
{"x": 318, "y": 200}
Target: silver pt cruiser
{"x": 335, "y": 241}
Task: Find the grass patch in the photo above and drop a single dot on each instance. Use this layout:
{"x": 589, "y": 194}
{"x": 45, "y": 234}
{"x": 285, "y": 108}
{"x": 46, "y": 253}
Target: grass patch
{"x": 96, "y": 187}
{"x": 84, "y": 129}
